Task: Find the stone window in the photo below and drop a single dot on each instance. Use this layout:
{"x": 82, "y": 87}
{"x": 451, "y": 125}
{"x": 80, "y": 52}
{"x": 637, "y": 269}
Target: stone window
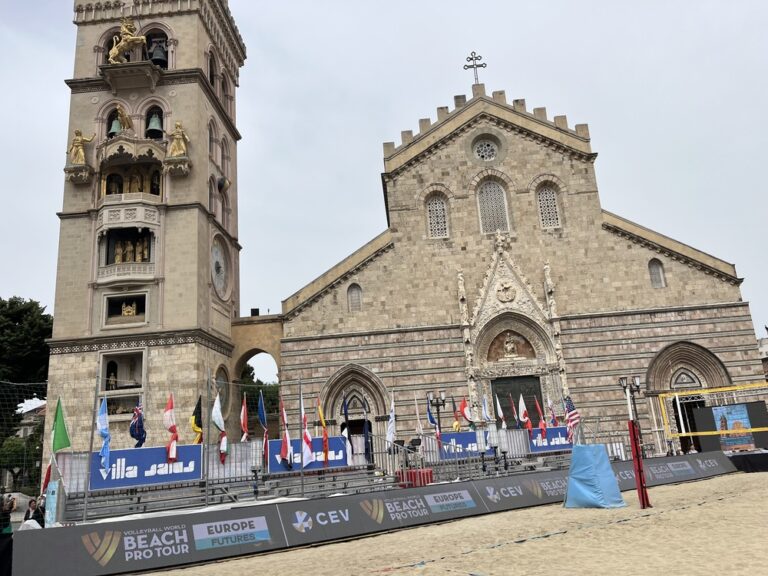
{"x": 224, "y": 157}
{"x": 493, "y": 208}
{"x": 126, "y": 309}
{"x": 212, "y": 197}
{"x": 549, "y": 214}
{"x": 156, "y": 49}
{"x": 211, "y": 140}
{"x": 122, "y": 377}
{"x": 355, "y": 298}
{"x": 437, "y": 216}
{"x": 485, "y": 150}
{"x": 656, "y": 272}
{"x": 212, "y": 70}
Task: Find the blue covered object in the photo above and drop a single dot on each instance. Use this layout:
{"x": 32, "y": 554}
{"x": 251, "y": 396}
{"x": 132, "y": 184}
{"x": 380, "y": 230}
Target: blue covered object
{"x": 591, "y": 483}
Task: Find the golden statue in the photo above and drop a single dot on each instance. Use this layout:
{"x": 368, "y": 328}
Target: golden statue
{"x": 145, "y": 249}
{"x": 128, "y": 251}
{"x": 126, "y": 41}
{"x": 125, "y": 121}
{"x": 179, "y": 141}
{"x": 136, "y": 183}
{"x": 129, "y": 309}
{"x": 77, "y": 149}
{"x": 119, "y": 252}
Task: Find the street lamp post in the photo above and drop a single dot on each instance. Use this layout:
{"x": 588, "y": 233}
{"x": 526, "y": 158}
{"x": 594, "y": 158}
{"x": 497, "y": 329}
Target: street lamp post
{"x": 437, "y": 403}
{"x": 630, "y": 389}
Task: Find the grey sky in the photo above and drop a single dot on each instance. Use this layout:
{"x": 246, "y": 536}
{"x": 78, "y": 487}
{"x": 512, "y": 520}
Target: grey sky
{"x": 674, "y": 94}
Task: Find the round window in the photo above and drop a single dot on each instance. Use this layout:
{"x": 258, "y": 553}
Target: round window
{"x": 485, "y": 150}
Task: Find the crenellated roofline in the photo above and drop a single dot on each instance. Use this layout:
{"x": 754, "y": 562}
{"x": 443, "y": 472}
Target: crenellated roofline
{"x": 554, "y": 133}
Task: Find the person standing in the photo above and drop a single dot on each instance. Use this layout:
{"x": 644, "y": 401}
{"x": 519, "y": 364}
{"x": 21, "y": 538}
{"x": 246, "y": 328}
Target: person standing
{"x": 7, "y": 506}
{"x": 34, "y": 513}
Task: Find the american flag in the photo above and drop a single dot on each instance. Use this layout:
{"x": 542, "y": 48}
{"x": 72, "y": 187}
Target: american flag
{"x": 572, "y": 417}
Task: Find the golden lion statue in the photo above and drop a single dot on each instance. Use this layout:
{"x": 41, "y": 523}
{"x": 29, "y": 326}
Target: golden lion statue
{"x": 127, "y": 40}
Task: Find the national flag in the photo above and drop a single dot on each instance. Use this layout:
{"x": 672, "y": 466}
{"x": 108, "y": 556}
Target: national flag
{"x": 136, "y": 429}
{"x": 436, "y": 424}
{"x": 391, "y": 423}
{"x": 218, "y": 420}
{"x": 326, "y": 448}
{"x": 102, "y": 425}
{"x": 345, "y": 432}
{"x": 486, "y": 414}
{"x": 169, "y": 421}
{"x": 542, "y": 420}
{"x": 286, "y": 450}
{"x": 551, "y": 407}
{"x": 262, "y": 412}
{"x": 307, "y": 455}
{"x": 196, "y": 421}
{"x": 500, "y": 413}
{"x": 572, "y": 418}
{"x": 419, "y": 428}
{"x": 514, "y": 412}
{"x": 244, "y": 420}
{"x": 59, "y": 435}
{"x": 524, "y": 420}
{"x": 456, "y": 417}
{"x": 465, "y": 413}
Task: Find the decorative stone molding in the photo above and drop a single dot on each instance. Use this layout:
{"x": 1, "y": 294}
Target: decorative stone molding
{"x": 693, "y": 357}
{"x": 143, "y": 341}
{"x": 78, "y": 174}
{"x": 177, "y": 166}
{"x": 543, "y": 178}
{"x": 354, "y": 378}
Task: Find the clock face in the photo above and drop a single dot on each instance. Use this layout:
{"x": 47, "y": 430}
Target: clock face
{"x": 219, "y": 268}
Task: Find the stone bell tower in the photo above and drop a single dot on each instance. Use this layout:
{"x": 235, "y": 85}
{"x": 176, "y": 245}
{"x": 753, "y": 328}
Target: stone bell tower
{"x": 147, "y": 281}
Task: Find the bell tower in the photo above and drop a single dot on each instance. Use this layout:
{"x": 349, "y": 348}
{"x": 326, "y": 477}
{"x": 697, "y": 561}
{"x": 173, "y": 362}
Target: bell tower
{"x": 147, "y": 281}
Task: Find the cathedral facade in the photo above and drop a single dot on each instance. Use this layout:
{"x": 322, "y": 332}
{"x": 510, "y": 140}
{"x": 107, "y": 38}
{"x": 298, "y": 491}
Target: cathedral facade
{"x": 499, "y": 273}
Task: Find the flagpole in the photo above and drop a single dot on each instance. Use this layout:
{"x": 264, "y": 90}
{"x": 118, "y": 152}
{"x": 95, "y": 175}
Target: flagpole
{"x": 206, "y": 466}
{"x": 90, "y": 448}
{"x": 301, "y": 436}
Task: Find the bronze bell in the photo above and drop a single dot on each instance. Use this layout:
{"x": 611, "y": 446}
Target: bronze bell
{"x": 154, "y": 128}
{"x": 115, "y": 128}
{"x": 159, "y": 56}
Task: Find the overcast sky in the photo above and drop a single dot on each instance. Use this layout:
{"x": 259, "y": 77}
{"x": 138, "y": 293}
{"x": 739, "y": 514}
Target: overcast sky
{"x": 674, "y": 92}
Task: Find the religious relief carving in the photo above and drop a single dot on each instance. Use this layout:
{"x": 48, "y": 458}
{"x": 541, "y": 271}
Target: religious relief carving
{"x": 501, "y": 242}
{"x": 463, "y": 300}
{"x": 510, "y": 348}
{"x": 125, "y": 42}
{"x": 549, "y": 291}
{"x": 505, "y": 291}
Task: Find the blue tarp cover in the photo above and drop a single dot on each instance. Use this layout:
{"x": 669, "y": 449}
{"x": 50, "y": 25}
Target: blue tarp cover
{"x": 591, "y": 483}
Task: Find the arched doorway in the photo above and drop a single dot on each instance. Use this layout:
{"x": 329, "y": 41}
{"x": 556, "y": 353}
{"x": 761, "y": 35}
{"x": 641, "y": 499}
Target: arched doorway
{"x": 682, "y": 368}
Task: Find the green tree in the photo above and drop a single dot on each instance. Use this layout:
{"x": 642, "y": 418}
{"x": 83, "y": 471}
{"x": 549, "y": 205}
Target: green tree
{"x": 12, "y": 457}
{"x": 24, "y": 328}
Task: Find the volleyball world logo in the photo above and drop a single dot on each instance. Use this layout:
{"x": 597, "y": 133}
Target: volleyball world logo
{"x": 102, "y": 548}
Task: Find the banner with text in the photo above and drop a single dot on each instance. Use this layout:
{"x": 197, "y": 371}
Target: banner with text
{"x": 556, "y": 438}
{"x": 146, "y": 466}
{"x": 337, "y": 455}
{"x": 464, "y": 445}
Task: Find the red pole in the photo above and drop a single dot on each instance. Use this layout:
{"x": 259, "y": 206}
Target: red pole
{"x": 637, "y": 459}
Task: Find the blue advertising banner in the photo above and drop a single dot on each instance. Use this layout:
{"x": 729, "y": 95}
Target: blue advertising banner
{"x": 733, "y": 417}
{"x": 145, "y": 466}
{"x": 462, "y": 445}
{"x": 337, "y": 455}
{"x": 556, "y": 439}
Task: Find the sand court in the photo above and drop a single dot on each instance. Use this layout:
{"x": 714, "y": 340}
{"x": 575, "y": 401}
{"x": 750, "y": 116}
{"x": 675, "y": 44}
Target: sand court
{"x": 715, "y": 526}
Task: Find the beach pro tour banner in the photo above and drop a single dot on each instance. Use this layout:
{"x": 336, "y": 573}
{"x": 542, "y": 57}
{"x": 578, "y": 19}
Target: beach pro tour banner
{"x": 556, "y": 438}
{"x": 337, "y": 455}
{"x": 146, "y": 466}
{"x": 151, "y": 543}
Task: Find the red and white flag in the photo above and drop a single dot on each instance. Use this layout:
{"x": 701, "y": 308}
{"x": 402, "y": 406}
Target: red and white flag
{"x": 307, "y": 455}
{"x": 542, "y": 420}
{"x": 286, "y": 450}
{"x": 169, "y": 421}
{"x": 464, "y": 409}
{"x": 244, "y": 421}
{"x": 218, "y": 420}
{"x": 522, "y": 415}
{"x": 500, "y": 413}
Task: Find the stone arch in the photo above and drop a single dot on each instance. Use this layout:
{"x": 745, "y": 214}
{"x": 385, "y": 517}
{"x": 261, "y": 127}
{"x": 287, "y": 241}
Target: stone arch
{"x": 436, "y": 187}
{"x": 492, "y": 174}
{"x": 254, "y": 335}
{"x": 543, "y": 179}
{"x": 707, "y": 367}
{"x": 353, "y": 379}
{"x": 531, "y": 330}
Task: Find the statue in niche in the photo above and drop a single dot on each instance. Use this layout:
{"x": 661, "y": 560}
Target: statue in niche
{"x": 125, "y": 121}
{"x": 145, "y": 249}
{"x": 129, "y": 309}
{"x": 128, "y": 253}
{"x": 549, "y": 286}
{"x": 510, "y": 346}
{"x": 112, "y": 379}
{"x": 136, "y": 183}
{"x": 114, "y": 184}
{"x": 119, "y": 252}
{"x": 179, "y": 140}
{"x": 462, "y": 292}
{"x": 77, "y": 148}
{"x": 139, "y": 251}
{"x": 125, "y": 42}
{"x": 154, "y": 185}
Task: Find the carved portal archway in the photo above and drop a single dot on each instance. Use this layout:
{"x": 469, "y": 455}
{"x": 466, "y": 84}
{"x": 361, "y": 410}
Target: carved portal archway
{"x": 706, "y": 370}
{"x": 359, "y": 385}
